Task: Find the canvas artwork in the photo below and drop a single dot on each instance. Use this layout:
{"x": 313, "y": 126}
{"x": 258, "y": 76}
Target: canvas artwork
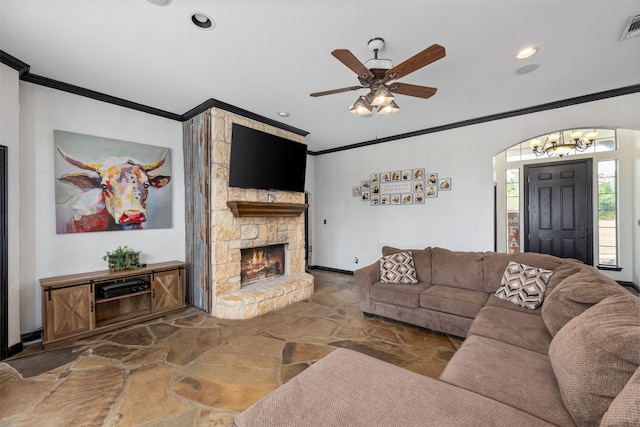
{"x": 104, "y": 184}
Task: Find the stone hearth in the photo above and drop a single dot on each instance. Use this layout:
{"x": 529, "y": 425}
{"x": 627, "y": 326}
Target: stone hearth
{"x": 229, "y": 234}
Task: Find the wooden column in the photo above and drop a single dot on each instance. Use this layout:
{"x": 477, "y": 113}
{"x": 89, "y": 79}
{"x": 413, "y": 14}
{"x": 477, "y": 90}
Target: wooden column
{"x": 197, "y": 161}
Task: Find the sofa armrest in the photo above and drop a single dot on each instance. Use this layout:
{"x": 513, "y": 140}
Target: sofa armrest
{"x": 365, "y": 278}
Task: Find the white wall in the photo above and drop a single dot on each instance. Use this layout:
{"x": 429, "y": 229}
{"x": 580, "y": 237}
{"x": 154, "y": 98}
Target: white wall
{"x": 461, "y": 219}
{"x": 9, "y": 137}
{"x": 45, "y": 253}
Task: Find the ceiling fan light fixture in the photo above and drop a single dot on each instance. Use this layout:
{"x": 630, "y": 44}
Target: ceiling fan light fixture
{"x": 361, "y": 107}
{"x": 383, "y": 97}
{"x": 389, "y": 109}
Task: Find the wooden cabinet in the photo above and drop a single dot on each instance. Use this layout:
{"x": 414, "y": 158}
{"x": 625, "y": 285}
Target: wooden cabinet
{"x": 77, "y": 306}
{"x": 68, "y": 311}
{"x": 167, "y": 290}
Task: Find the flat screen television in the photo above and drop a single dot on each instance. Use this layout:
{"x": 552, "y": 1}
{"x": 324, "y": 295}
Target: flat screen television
{"x": 264, "y": 161}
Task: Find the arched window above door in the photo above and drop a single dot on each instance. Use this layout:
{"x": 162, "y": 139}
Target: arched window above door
{"x": 563, "y": 143}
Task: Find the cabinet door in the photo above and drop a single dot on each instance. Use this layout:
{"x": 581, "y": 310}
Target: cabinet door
{"x": 167, "y": 290}
{"x": 69, "y": 311}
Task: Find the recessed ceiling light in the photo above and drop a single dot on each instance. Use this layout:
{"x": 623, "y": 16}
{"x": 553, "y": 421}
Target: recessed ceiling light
{"x": 527, "y": 52}
{"x": 283, "y": 114}
{"x": 160, "y": 2}
{"x": 202, "y": 21}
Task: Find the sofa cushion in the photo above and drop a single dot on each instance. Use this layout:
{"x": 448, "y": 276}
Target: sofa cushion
{"x": 524, "y": 330}
{"x": 347, "y": 388}
{"x": 575, "y": 294}
{"x": 461, "y": 302}
{"x": 398, "y": 268}
{"x": 457, "y": 269}
{"x": 562, "y": 272}
{"x": 421, "y": 261}
{"x": 625, "y": 408}
{"x": 512, "y": 375}
{"x": 398, "y": 294}
{"x": 523, "y": 285}
{"x": 595, "y": 354}
{"x": 496, "y": 262}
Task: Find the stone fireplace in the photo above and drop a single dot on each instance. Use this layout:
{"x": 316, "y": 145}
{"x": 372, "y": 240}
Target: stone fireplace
{"x": 231, "y": 232}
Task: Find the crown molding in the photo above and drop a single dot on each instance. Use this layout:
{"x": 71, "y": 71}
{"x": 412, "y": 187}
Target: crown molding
{"x": 214, "y": 103}
{"x": 99, "y": 96}
{"x": 25, "y": 75}
{"x": 492, "y": 117}
{"x": 14, "y": 63}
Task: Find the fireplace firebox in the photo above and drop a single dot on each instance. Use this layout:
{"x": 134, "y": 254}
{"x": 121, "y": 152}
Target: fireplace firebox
{"x": 261, "y": 262}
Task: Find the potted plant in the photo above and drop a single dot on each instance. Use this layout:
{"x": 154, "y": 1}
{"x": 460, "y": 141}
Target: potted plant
{"x": 122, "y": 258}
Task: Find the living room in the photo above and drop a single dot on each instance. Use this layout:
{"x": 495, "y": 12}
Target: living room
{"x": 345, "y": 233}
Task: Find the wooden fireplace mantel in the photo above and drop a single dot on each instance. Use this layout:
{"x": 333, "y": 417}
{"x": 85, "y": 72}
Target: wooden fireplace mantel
{"x": 254, "y": 209}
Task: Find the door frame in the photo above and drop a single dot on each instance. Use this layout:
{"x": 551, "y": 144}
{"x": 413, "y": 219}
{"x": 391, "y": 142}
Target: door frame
{"x": 4, "y": 255}
{"x": 588, "y": 162}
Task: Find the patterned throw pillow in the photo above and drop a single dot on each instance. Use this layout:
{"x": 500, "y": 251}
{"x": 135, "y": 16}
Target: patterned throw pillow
{"x": 398, "y": 268}
{"x": 523, "y": 285}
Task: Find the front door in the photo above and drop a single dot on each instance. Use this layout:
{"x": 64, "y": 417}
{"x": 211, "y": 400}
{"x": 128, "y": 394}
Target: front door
{"x": 560, "y": 213}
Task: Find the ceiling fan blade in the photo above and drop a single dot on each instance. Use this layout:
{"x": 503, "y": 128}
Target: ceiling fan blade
{"x": 412, "y": 90}
{"x": 347, "y": 58}
{"x": 417, "y": 61}
{"x": 331, "y": 92}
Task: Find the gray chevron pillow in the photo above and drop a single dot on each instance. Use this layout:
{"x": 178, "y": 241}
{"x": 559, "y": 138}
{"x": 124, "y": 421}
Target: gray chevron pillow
{"x": 523, "y": 285}
{"x": 398, "y": 268}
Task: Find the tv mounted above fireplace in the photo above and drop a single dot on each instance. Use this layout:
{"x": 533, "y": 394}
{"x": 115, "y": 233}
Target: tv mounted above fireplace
{"x": 264, "y": 161}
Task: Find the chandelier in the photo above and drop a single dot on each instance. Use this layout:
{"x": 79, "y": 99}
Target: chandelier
{"x": 556, "y": 144}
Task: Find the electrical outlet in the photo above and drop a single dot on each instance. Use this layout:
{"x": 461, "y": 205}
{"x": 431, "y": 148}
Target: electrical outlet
{"x": 355, "y": 259}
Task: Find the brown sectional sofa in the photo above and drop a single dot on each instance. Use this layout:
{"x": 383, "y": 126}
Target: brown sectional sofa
{"x": 574, "y": 361}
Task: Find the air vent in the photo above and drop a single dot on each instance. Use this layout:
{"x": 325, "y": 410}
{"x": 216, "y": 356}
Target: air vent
{"x": 632, "y": 29}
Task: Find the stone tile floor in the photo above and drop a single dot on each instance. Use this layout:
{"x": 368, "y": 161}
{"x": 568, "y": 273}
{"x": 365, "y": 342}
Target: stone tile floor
{"x": 191, "y": 369}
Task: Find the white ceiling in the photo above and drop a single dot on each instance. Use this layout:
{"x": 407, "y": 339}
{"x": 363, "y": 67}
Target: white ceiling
{"x": 267, "y": 56}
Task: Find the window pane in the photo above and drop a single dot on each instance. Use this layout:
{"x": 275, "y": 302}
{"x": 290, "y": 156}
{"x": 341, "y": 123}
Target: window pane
{"x": 513, "y": 155}
{"x": 513, "y": 204}
{"x": 513, "y": 175}
{"x": 607, "y": 213}
{"x": 513, "y": 209}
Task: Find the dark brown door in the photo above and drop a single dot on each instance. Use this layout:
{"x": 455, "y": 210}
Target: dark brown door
{"x": 560, "y": 213}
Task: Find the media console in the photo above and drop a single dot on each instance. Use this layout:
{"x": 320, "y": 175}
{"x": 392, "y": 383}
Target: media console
{"x": 80, "y": 305}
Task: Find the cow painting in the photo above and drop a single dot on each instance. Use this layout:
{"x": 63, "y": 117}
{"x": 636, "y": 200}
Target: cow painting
{"x": 110, "y": 195}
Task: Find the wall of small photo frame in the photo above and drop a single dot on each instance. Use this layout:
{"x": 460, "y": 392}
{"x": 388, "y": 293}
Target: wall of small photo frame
{"x": 401, "y": 187}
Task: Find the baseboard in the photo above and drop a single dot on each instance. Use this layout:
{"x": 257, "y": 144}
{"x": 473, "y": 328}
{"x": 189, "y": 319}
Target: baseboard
{"x": 333, "y": 270}
{"x": 15, "y": 349}
{"x": 32, "y": 336}
{"x": 629, "y": 284}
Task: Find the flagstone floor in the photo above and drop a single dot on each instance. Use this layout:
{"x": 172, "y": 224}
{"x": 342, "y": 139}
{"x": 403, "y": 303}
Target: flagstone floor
{"x": 191, "y": 369}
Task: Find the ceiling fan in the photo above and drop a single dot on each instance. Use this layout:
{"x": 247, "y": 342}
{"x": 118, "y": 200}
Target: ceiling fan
{"x": 378, "y": 75}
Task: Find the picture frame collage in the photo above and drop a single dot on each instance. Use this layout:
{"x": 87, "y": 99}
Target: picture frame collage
{"x": 400, "y": 187}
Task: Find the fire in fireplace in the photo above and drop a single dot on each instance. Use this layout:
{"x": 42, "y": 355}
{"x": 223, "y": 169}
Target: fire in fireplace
{"x": 261, "y": 262}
